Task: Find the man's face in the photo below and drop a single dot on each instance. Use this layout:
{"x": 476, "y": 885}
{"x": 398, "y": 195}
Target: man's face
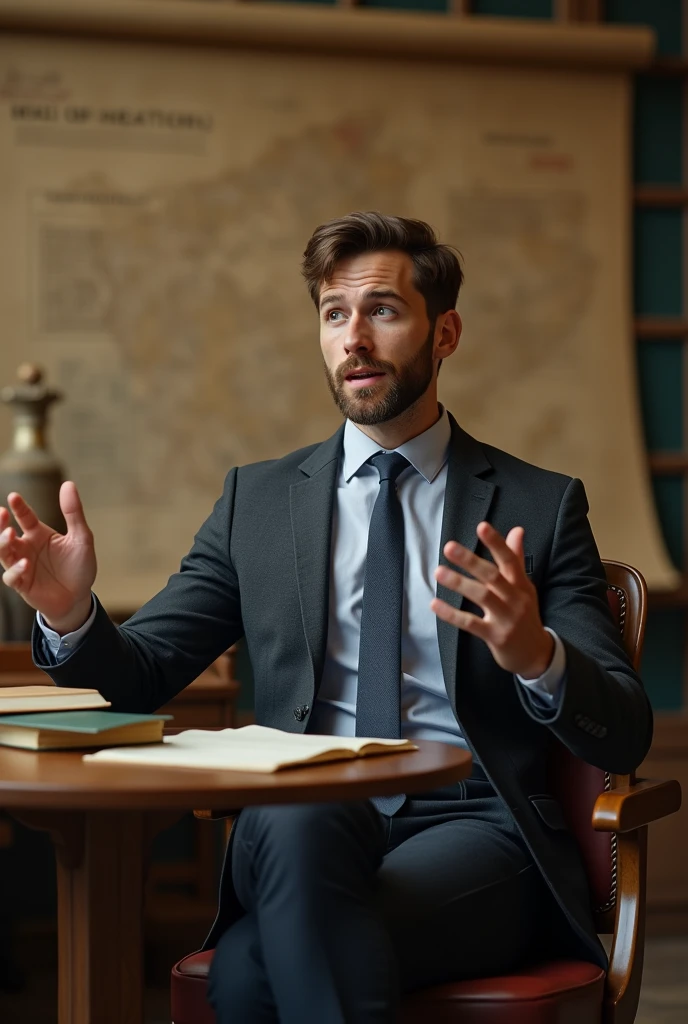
{"x": 375, "y": 336}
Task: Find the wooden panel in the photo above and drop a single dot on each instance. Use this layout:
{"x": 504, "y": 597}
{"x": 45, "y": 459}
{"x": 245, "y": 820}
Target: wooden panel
{"x": 667, "y": 891}
{"x": 16, "y": 658}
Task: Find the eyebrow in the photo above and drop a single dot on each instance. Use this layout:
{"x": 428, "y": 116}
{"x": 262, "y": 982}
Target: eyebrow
{"x": 375, "y": 293}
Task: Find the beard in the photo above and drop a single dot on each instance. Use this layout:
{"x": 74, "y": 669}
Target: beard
{"x": 407, "y": 384}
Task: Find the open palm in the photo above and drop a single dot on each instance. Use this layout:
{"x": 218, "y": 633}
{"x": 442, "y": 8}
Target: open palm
{"x": 53, "y": 572}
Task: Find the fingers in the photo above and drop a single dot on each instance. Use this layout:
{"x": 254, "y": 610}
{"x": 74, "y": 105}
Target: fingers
{"x": 73, "y": 510}
{"x": 11, "y": 547}
{"x": 508, "y": 566}
{"x": 508, "y": 554}
{"x": 514, "y": 540}
{"x": 462, "y": 620}
{"x": 15, "y": 576}
{"x": 475, "y": 591}
{"x": 23, "y": 513}
{"x": 485, "y": 572}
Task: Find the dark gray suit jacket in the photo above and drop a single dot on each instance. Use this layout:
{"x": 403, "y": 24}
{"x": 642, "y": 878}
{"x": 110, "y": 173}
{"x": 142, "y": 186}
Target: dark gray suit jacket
{"x": 259, "y": 568}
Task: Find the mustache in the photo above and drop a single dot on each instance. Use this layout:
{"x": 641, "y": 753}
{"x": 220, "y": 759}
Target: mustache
{"x": 352, "y": 364}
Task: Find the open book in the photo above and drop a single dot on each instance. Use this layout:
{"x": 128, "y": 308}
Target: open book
{"x": 253, "y": 748}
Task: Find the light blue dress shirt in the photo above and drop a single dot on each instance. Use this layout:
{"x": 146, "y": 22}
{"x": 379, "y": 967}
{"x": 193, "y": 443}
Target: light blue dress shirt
{"x": 425, "y": 709}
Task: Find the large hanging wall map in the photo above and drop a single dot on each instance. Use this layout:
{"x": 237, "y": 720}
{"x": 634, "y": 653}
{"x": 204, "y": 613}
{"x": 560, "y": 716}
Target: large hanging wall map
{"x": 156, "y": 198}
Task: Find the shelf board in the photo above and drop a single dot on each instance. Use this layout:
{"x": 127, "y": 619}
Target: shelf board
{"x": 667, "y": 67}
{"x": 677, "y": 598}
{"x": 660, "y": 195}
{"x": 661, "y": 327}
{"x": 668, "y": 463}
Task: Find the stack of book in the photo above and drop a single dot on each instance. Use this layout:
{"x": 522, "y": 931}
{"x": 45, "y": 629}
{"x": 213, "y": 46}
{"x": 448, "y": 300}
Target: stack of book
{"x": 66, "y": 718}
{"x": 60, "y": 718}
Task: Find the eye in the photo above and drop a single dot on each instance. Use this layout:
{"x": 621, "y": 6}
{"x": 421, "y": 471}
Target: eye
{"x": 333, "y": 315}
{"x": 383, "y": 311}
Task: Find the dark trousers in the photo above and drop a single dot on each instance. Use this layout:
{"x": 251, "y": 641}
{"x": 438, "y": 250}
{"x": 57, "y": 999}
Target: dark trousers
{"x": 347, "y": 909}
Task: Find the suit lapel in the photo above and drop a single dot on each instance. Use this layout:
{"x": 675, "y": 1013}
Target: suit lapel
{"x": 467, "y": 502}
{"x": 311, "y": 506}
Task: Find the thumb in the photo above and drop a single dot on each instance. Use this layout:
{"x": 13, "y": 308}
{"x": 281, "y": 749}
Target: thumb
{"x": 73, "y": 510}
{"x": 514, "y": 540}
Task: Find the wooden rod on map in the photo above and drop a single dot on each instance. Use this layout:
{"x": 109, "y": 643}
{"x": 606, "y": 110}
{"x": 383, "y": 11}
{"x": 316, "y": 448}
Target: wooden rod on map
{"x": 359, "y": 31}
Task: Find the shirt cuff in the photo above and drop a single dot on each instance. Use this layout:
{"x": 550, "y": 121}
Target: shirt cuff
{"x": 548, "y": 685}
{"x": 62, "y": 646}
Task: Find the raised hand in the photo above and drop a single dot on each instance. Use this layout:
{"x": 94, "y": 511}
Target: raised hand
{"x": 53, "y": 572}
{"x": 510, "y": 625}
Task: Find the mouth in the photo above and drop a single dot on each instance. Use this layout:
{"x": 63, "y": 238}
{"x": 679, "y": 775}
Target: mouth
{"x": 364, "y": 378}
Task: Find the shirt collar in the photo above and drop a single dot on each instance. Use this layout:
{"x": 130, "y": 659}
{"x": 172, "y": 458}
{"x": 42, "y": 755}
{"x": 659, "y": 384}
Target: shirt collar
{"x": 427, "y": 452}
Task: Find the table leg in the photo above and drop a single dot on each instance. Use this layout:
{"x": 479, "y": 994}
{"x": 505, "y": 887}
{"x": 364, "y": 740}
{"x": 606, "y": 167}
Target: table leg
{"x": 100, "y": 887}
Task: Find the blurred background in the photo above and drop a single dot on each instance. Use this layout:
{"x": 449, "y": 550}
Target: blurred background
{"x": 575, "y": 293}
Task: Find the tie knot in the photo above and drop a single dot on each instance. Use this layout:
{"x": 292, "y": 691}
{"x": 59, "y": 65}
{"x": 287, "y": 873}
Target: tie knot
{"x": 389, "y": 465}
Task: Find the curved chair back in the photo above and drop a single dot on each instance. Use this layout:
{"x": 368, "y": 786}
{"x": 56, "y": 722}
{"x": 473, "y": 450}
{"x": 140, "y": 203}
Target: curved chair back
{"x": 577, "y": 784}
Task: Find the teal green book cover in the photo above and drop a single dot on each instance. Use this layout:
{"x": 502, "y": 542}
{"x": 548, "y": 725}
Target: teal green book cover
{"x": 89, "y": 722}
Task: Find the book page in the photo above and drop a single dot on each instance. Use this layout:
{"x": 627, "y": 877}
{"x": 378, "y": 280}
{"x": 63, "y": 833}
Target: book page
{"x": 49, "y": 690}
{"x": 25, "y": 699}
{"x": 252, "y": 748}
{"x": 291, "y": 743}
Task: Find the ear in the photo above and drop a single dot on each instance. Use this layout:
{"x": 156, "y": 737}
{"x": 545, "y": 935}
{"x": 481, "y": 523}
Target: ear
{"x": 447, "y": 333}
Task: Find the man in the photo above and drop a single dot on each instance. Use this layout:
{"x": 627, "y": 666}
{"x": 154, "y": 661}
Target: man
{"x": 326, "y": 562}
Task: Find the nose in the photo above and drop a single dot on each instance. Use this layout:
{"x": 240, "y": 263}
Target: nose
{"x": 358, "y": 336}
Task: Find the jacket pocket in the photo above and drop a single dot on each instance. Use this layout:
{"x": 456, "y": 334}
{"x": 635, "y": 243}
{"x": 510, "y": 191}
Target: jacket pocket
{"x": 549, "y": 810}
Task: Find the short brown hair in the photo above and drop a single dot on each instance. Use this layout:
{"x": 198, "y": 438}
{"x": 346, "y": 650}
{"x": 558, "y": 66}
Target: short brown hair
{"x": 437, "y": 271}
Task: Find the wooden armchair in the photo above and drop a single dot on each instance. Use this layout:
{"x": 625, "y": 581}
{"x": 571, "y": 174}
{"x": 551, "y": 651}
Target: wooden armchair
{"x": 609, "y": 816}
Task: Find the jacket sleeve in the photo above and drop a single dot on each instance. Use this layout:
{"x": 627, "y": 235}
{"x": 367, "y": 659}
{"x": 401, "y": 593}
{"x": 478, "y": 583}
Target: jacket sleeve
{"x": 603, "y": 714}
{"x": 142, "y": 664}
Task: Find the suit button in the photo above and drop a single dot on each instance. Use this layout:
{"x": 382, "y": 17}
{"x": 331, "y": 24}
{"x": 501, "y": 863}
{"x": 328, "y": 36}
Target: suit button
{"x": 301, "y": 712}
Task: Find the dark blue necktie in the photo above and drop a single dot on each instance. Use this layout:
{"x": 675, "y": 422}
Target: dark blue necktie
{"x": 378, "y": 701}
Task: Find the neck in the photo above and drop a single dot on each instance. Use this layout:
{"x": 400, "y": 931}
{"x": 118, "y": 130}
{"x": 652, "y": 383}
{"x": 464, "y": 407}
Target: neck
{"x": 415, "y": 420}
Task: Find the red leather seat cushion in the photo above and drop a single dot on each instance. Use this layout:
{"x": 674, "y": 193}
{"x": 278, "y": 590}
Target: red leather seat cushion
{"x": 187, "y": 997}
{"x": 561, "y": 992}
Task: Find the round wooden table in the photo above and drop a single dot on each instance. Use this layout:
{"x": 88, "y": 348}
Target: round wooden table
{"x": 103, "y": 819}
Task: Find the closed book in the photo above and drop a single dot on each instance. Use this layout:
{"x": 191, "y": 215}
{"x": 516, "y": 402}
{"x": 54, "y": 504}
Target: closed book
{"x": 66, "y": 730}
{"x": 252, "y": 748}
{"x": 20, "y": 700}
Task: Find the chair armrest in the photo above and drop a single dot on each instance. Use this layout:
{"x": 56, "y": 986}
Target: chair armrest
{"x": 215, "y": 815}
{"x": 629, "y": 807}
